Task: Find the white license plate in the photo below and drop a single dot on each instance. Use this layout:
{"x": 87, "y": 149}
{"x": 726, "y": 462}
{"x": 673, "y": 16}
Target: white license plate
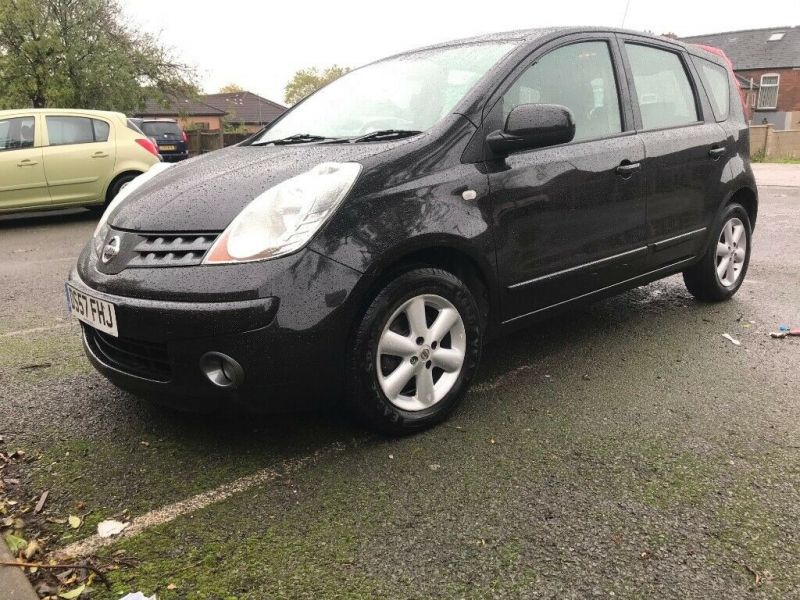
{"x": 168, "y": 148}
{"x": 93, "y": 311}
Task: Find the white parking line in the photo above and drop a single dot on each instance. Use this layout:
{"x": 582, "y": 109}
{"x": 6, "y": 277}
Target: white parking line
{"x": 36, "y": 330}
{"x": 171, "y": 512}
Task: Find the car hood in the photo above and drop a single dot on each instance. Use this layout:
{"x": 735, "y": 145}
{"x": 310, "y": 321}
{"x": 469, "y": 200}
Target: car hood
{"x": 206, "y": 193}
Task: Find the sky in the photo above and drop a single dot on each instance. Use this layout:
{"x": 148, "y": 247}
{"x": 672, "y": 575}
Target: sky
{"x": 261, "y": 44}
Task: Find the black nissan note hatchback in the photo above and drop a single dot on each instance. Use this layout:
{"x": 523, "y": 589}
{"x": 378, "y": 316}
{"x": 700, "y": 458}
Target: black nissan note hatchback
{"x": 367, "y": 244}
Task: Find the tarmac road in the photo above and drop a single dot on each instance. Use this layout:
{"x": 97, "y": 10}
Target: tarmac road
{"x": 626, "y": 449}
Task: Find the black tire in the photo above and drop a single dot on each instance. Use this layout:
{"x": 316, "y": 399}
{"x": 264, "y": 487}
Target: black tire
{"x": 702, "y": 279}
{"x": 364, "y": 393}
{"x": 113, "y": 190}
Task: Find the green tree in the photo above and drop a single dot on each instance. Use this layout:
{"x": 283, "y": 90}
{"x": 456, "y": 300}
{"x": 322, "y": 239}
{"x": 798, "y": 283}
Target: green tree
{"x": 306, "y": 81}
{"x": 231, "y": 88}
{"x": 81, "y": 54}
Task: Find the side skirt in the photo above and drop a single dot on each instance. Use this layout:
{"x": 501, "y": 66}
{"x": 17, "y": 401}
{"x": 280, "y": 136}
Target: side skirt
{"x": 610, "y": 290}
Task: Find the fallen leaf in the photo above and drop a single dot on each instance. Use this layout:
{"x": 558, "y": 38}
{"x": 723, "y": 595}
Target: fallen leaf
{"x": 31, "y": 549}
{"x": 145, "y": 444}
{"x": 15, "y": 544}
{"x": 40, "y": 503}
{"x": 171, "y": 586}
{"x": 75, "y": 521}
{"x": 110, "y": 528}
{"x": 72, "y": 594}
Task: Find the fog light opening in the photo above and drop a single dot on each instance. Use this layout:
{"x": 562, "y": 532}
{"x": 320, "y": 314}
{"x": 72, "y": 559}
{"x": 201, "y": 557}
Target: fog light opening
{"x": 221, "y": 370}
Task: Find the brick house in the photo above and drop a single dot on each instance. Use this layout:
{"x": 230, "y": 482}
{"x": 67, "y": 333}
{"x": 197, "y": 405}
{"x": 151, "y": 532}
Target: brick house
{"x": 245, "y": 110}
{"x": 767, "y": 66}
{"x": 192, "y": 114}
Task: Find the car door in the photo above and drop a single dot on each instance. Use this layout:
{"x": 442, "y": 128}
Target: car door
{"x": 78, "y": 158}
{"x": 569, "y": 219}
{"x": 684, "y": 148}
{"x": 22, "y": 184}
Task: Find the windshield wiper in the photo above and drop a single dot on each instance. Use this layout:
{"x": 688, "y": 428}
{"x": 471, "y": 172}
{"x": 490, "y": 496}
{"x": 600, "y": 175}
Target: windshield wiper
{"x": 297, "y": 138}
{"x": 382, "y": 134}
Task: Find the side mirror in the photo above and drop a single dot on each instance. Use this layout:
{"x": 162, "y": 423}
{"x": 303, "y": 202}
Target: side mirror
{"x": 531, "y": 126}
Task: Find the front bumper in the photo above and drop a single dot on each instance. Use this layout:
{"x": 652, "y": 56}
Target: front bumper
{"x": 286, "y": 325}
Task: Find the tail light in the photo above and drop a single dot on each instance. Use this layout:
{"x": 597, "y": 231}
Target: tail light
{"x": 148, "y": 145}
{"x": 184, "y": 137}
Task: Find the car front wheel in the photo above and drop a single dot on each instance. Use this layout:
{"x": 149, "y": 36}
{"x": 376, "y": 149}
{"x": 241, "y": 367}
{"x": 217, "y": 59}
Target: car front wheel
{"x": 415, "y": 352}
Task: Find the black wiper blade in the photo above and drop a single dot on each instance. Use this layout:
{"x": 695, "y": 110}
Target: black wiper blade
{"x": 386, "y": 134}
{"x": 297, "y": 138}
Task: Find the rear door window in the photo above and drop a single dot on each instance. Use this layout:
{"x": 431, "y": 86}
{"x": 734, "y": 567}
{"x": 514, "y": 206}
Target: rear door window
{"x": 717, "y": 84}
{"x": 69, "y": 130}
{"x": 663, "y": 90}
{"x": 579, "y": 76}
{"x": 17, "y": 133}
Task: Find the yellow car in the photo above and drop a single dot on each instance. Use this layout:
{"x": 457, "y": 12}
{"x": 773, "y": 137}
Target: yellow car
{"x": 59, "y": 158}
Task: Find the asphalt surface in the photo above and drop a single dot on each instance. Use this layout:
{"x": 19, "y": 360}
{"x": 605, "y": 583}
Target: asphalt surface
{"x": 624, "y": 449}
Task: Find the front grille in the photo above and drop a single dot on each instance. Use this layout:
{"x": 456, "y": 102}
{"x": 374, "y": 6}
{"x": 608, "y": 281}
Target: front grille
{"x": 143, "y": 359}
{"x": 171, "y": 249}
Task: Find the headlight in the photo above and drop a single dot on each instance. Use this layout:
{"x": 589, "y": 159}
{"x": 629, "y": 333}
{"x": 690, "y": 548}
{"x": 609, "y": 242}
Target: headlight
{"x": 285, "y": 217}
{"x": 131, "y": 186}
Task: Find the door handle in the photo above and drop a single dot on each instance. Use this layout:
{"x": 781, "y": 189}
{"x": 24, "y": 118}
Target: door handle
{"x": 27, "y": 163}
{"x": 99, "y": 155}
{"x": 715, "y": 153}
{"x": 627, "y": 168}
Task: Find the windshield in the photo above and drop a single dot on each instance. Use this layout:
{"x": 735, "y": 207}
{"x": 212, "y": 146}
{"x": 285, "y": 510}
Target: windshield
{"x": 161, "y": 129}
{"x": 410, "y": 92}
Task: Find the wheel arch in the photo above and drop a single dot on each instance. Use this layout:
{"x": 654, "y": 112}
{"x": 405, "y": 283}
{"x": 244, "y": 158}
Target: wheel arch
{"x": 445, "y": 252}
{"x": 115, "y": 179}
{"x": 748, "y": 198}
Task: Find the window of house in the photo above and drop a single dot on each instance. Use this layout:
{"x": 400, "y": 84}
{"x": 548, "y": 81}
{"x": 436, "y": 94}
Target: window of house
{"x": 717, "y": 85}
{"x": 579, "y": 76}
{"x": 16, "y": 133}
{"x": 768, "y": 91}
{"x": 776, "y": 37}
{"x": 663, "y": 90}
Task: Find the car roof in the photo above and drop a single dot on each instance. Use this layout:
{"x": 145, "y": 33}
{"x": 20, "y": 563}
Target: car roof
{"x": 525, "y": 36}
{"x": 64, "y": 111}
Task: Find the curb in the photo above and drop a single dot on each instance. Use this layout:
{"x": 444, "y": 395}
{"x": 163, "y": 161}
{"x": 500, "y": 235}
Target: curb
{"x": 13, "y": 582}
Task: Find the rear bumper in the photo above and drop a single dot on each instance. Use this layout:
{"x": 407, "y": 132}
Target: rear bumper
{"x": 174, "y": 156}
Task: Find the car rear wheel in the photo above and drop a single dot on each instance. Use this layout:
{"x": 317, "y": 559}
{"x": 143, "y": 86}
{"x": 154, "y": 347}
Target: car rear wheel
{"x": 721, "y": 271}
{"x": 415, "y": 352}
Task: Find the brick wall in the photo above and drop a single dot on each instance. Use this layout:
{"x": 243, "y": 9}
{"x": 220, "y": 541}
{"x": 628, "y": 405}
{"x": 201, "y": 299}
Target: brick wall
{"x": 788, "y": 90}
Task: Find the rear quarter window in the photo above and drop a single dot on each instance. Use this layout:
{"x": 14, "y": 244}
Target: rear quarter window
{"x": 717, "y": 83}
{"x": 101, "y": 130}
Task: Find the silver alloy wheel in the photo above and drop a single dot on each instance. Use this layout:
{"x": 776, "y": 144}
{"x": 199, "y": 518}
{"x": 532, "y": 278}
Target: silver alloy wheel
{"x": 417, "y": 363}
{"x": 731, "y": 252}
